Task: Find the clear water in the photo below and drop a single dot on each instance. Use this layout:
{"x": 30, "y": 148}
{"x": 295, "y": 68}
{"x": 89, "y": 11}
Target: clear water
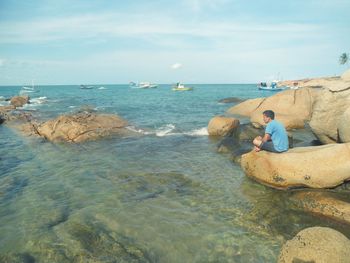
{"x": 163, "y": 196}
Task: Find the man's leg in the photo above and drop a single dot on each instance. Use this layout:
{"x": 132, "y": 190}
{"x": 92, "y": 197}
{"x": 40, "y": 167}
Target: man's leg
{"x": 257, "y": 143}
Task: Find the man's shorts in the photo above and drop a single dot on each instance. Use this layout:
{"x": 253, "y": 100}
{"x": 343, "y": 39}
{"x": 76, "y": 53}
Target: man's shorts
{"x": 268, "y": 146}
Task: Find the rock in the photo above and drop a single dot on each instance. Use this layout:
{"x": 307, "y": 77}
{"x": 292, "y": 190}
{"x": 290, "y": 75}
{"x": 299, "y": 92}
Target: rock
{"x": 246, "y": 108}
{"x": 344, "y": 127}
{"x": 329, "y": 109}
{"x": 222, "y": 126}
{"x": 315, "y": 166}
{"x": 19, "y": 101}
{"x": 230, "y": 100}
{"x": 346, "y": 75}
{"x": 323, "y": 204}
{"x": 81, "y": 127}
{"x": 310, "y": 83}
{"x": 289, "y": 122}
{"x": 292, "y": 107}
{"x": 247, "y": 132}
{"x": 5, "y": 113}
{"x": 316, "y": 244}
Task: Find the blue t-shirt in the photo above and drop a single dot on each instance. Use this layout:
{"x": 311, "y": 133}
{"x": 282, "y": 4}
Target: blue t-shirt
{"x": 278, "y": 135}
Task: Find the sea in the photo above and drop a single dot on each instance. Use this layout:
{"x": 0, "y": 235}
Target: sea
{"x": 164, "y": 195}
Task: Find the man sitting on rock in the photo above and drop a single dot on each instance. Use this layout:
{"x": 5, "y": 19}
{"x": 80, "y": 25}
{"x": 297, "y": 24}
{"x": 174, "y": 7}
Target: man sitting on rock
{"x": 275, "y": 138}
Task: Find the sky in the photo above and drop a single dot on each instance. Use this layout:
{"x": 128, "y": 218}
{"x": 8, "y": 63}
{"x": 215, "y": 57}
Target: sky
{"x": 192, "y": 41}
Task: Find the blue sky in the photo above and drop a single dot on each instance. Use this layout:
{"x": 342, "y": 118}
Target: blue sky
{"x": 193, "y": 41}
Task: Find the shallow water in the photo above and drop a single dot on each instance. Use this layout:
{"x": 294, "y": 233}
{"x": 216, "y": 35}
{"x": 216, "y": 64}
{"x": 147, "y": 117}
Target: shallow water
{"x": 163, "y": 196}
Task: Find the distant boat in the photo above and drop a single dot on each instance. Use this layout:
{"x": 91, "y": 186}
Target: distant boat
{"x": 181, "y": 87}
{"x": 86, "y": 87}
{"x": 27, "y": 89}
{"x": 143, "y": 85}
{"x": 272, "y": 87}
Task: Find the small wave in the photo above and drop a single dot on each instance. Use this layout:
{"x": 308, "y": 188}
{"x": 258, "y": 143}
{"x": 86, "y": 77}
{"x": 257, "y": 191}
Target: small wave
{"x": 101, "y": 88}
{"x": 198, "y": 132}
{"x": 168, "y": 130}
{"x": 139, "y": 130}
{"x": 39, "y": 100}
{"x": 165, "y": 130}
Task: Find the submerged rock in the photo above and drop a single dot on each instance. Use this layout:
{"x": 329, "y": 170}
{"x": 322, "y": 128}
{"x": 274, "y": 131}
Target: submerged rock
{"x": 82, "y": 127}
{"x": 315, "y": 166}
{"x": 230, "y": 100}
{"x": 323, "y": 204}
{"x": 316, "y": 244}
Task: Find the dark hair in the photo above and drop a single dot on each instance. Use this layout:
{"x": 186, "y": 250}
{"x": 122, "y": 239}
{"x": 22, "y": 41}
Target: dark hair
{"x": 270, "y": 114}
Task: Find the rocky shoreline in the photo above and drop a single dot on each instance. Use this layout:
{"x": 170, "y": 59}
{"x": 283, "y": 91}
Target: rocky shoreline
{"x": 319, "y": 106}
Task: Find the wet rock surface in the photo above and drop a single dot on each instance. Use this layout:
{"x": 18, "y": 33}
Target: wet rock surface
{"x": 316, "y": 244}
{"x": 81, "y": 127}
{"x": 315, "y": 167}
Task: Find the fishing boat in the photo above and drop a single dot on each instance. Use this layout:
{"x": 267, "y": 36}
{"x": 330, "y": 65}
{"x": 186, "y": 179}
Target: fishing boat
{"x": 272, "y": 87}
{"x": 181, "y": 87}
{"x": 86, "y": 87}
{"x": 143, "y": 85}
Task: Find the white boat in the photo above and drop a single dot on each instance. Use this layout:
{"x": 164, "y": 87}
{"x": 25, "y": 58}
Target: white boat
{"x": 86, "y": 87}
{"x": 181, "y": 87}
{"x": 27, "y": 89}
{"x": 272, "y": 87}
{"x": 143, "y": 85}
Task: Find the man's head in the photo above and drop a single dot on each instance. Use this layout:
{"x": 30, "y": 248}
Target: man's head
{"x": 268, "y": 116}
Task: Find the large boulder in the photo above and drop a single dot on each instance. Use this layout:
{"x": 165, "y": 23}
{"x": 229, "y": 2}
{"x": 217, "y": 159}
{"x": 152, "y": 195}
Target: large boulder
{"x": 315, "y": 166}
{"x": 292, "y": 107}
{"x": 222, "y": 126}
{"x": 246, "y": 108}
{"x": 344, "y": 126}
{"x": 81, "y": 127}
{"x": 346, "y": 75}
{"x": 329, "y": 113}
{"x": 323, "y": 204}
{"x": 19, "y": 101}
{"x": 316, "y": 244}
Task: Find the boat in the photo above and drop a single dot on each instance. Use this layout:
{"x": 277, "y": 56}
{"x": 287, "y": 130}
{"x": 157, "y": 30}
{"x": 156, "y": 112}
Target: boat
{"x": 181, "y": 87}
{"x": 143, "y": 85}
{"x": 26, "y": 89}
{"x": 86, "y": 87}
{"x": 272, "y": 87}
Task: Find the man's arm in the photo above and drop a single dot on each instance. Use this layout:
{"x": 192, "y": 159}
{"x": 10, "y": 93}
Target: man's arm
{"x": 266, "y": 138}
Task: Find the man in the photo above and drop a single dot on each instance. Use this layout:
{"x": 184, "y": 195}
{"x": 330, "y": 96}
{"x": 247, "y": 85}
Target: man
{"x": 275, "y": 138}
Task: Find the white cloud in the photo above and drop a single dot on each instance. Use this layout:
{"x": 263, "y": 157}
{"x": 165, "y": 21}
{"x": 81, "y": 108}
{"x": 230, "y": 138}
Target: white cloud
{"x": 176, "y": 66}
{"x": 2, "y": 62}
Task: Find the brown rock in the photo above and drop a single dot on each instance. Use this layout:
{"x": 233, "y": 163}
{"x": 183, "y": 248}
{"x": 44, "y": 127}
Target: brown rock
{"x": 292, "y": 107}
{"x": 315, "y": 166}
{"x": 346, "y": 75}
{"x": 316, "y": 244}
{"x": 329, "y": 113}
{"x": 222, "y": 126}
{"x": 344, "y": 126}
{"x": 81, "y": 127}
{"x": 246, "y": 108}
{"x": 323, "y": 204}
{"x": 19, "y": 101}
